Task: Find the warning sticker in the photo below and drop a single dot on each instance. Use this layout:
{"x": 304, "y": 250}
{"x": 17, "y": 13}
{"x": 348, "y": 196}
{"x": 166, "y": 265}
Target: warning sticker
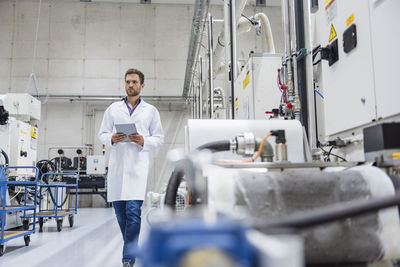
{"x": 33, "y": 132}
{"x": 331, "y": 10}
{"x": 350, "y": 20}
{"x": 236, "y": 103}
{"x": 332, "y": 34}
{"x": 247, "y": 79}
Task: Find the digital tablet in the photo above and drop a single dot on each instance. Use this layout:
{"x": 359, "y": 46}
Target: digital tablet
{"x": 127, "y": 129}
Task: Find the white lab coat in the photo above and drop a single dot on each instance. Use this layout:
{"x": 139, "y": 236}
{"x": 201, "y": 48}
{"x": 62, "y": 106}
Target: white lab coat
{"x": 129, "y": 163}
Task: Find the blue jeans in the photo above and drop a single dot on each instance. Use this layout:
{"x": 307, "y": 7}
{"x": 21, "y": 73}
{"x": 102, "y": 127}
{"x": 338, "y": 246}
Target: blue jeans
{"x": 128, "y": 215}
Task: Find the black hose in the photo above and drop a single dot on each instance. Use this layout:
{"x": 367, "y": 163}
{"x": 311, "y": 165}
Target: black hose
{"x": 43, "y": 168}
{"x": 335, "y": 212}
{"x": 5, "y": 157}
{"x": 222, "y": 145}
{"x": 172, "y": 188}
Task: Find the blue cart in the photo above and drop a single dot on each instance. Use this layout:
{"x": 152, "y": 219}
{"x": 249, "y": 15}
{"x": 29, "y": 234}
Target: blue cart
{"x": 55, "y": 200}
{"x": 28, "y": 207}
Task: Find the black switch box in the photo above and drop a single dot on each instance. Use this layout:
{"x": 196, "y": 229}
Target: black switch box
{"x": 381, "y": 137}
{"x": 350, "y": 38}
{"x": 331, "y": 52}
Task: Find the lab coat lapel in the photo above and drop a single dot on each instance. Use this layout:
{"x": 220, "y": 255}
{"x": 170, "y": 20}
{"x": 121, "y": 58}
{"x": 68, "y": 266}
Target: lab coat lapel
{"x": 139, "y": 109}
{"x": 124, "y": 108}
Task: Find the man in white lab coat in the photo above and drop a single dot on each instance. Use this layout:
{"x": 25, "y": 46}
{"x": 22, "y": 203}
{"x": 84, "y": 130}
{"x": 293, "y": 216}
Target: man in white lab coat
{"x": 129, "y": 161}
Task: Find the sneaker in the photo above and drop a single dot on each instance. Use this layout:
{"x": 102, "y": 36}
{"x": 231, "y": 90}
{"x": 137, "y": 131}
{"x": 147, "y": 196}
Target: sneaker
{"x": 126, "y": 264}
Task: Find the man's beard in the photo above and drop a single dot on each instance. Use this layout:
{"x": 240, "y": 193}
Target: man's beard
{"x": 132, "y": 92}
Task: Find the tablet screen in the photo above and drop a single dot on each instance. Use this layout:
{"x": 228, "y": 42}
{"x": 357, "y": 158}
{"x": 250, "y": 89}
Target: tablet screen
{"x": 127, "y": 129}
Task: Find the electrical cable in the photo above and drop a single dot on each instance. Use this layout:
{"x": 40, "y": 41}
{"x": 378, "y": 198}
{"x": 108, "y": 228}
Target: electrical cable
{"x": 251, "y": 21}
{"x": 326, "y": 152}
{"x": 222, "y": 145}
{"x": 316, "y": 63}
{"x": 44, "y": 168}
{"x": 315, "y": 90}
{"x": 7, "y": 160}
{"x": 335, "y": 212}
{"x": 36, "y": 36}
{"x": 329, "y": 153}
{"x": 172, "y": 188}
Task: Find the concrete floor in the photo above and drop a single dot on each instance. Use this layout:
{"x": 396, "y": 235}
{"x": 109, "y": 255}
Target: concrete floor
{"x": 94, "y": 240}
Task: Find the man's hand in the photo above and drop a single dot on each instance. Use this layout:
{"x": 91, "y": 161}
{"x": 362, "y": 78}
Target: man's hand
{"x": 117, "y": 137}
{"x": 137, "y": 138}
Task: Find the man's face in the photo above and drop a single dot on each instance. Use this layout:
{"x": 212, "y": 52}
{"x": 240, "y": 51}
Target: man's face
{"x": 133, "y": 86}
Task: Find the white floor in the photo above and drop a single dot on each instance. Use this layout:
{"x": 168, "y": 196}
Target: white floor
{"x": 94, "y": 240}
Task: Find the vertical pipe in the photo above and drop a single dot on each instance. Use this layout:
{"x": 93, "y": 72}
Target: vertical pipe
{"x": 233, "y": 52}
{"x": 200, "y": 88}
{"x": 301, "y": 64}
{"x": 210, "y": 66}
{"x": 194, "y": 105}
{"x": 288, "y": 48}
{"x": 226, "y": 41}
{"x": 312, "y": 124}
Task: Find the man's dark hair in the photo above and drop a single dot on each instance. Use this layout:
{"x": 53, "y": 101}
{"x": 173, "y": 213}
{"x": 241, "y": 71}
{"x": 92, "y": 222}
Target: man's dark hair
{"x": 135, "y": 71}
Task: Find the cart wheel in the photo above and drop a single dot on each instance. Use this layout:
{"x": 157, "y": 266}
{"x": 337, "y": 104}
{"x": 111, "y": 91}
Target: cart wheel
{"x": 2, "y": 249}
{"x": 71, "y": 220}
{"x": 25, "y": 224}
{"x": 27, "y": 240}
{"x": 40, "y": 225}
{"x": 59, "y": 225}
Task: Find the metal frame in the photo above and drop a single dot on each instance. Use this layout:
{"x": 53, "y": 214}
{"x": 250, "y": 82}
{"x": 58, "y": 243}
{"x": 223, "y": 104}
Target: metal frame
{"x": 4, "y": 184}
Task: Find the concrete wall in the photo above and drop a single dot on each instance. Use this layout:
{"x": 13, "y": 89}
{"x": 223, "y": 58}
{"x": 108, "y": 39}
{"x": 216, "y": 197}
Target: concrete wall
{"x": 85, "y": 48}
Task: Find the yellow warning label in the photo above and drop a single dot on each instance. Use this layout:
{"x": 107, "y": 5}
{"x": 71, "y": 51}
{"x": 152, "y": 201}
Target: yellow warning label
{"x": 350, "y": 20}
{"x": 236, "y": 103}
{"x": 33, "y": 132}
{"x": 22, "y": 132}
{"x": 332, "y": 34}
{"x": 247, "y": 79}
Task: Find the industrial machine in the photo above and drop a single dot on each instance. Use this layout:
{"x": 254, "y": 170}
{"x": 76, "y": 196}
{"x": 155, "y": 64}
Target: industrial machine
{"x": 19, "y": 114}
{"x": 278, "y": 189}
{"x": 257, "y": 91}
{"x": 91, "y": 169}
{"x": 318, "y": 127}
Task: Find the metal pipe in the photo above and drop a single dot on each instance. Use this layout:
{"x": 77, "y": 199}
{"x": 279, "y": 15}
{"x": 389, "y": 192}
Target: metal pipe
{"x": 194, "y": 106}
{"x": 312, "y": 124}
{"x": 294, "y": 96}
{"x": 226, "y": 41}
{"x": 233, "y": 53}
{"x": 210, "y": 66}
{"x": 301, "y": 91}
{"x": 200, "y": 12}
{"x": 109, "y": 97}
{"x": 200, "y": 88}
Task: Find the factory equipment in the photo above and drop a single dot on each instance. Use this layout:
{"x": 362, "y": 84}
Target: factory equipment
{"x": 18, "y": 139}
{"x": 256, "y": 90}
{"x": 352, "y": 34}
{"x": 344, "y": 106}
{"x": 60, "y": 205}
{"x": 96, "y": 165}
{"x": 27, "y": 205}
{"x": 91, "y": 169}
{"x": 262, "y": 191}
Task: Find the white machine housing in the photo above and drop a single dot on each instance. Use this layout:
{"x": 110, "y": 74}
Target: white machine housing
{"x": 358, "y": 88}
{"x": 199, "y": 132}
{"x": 23, "y": 106}
{"x": 95, "y": 165}
{"x": 19, "y": 140}
{"x": 256, "y": 89}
